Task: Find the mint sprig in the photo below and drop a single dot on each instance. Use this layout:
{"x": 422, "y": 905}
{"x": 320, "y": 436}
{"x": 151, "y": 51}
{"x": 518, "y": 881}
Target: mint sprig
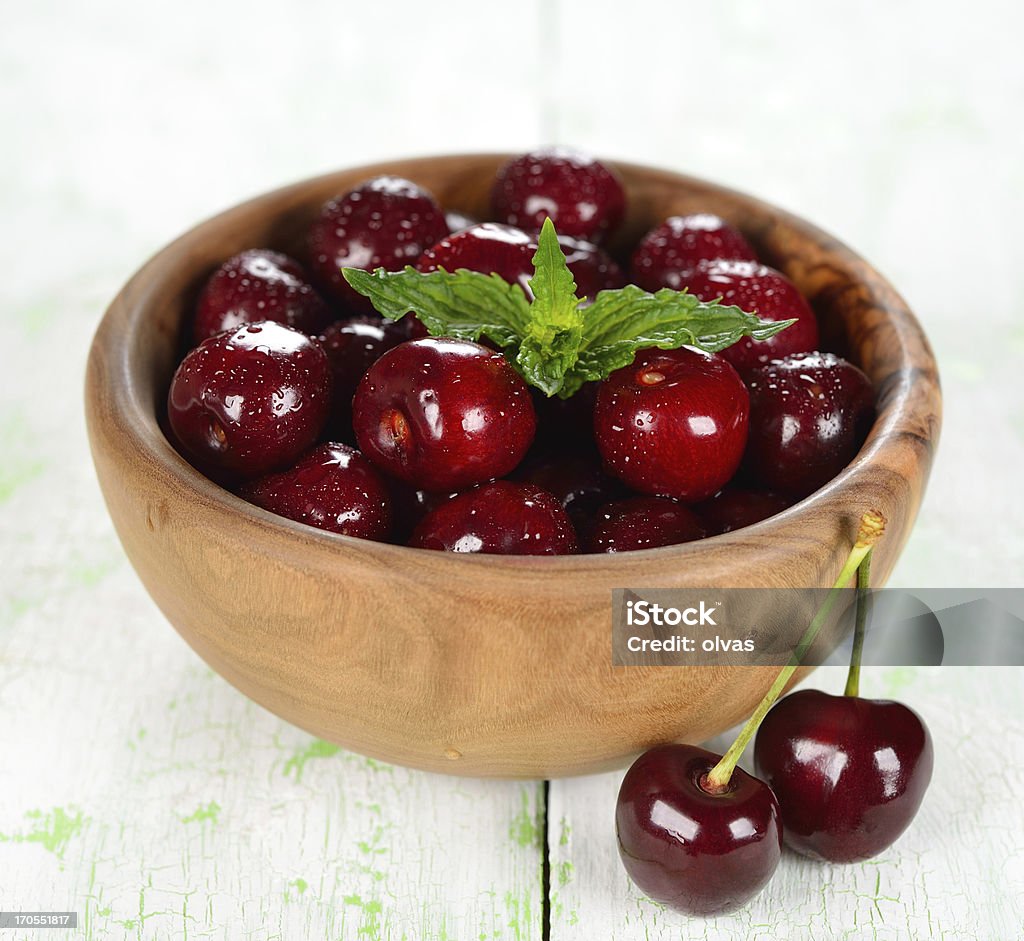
{"x": 463, "y": 304}
{"x": 555, "y": 343}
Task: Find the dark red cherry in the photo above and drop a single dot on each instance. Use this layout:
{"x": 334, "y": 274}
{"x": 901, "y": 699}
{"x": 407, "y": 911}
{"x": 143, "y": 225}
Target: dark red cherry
{"x": 809, "y": 414}
{"x": 508, "y": 252}
{"x": 501, "y": 517}
{"x": 385, "y": 222}
{"x": 592, "y": 268}
{"x": 353, "y": 345}
{"x": 582, "y": 196}
{"x": 643, "y": 523}
{"x": 333, "y": 487}
{"x": 671, "y": 250}
{"x": 250, "y": 401}
{"x": 576, "y": 481}
{"x": 488, "y": 248}
{"x": 849, "y": 773}
{"x": 443, "y": 414}
{"x": 762, "y": 290}
{"x": 673, "y": 423}
{"x": 733, "y": 509}
{"x": 258, "y": 285}
{"x": 697, "y": 852}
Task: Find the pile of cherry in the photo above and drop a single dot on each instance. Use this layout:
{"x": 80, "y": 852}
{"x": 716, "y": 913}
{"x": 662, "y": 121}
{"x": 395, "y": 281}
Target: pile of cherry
{"x": 304, "y": 401}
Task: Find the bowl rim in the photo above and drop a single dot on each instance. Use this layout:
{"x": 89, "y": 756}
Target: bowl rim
{"x": 145, "y": 434}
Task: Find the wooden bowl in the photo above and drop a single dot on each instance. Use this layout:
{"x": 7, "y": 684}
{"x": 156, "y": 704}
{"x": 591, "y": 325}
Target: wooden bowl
{"x": 479, "y": 665}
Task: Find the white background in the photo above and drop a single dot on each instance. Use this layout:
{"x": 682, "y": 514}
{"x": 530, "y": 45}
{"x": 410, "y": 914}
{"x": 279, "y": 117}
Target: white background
{"x": 139, "y": 789}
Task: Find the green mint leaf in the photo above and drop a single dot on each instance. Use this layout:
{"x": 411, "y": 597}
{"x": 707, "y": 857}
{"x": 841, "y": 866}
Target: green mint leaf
{"x": 463, "y": 304}
{"x": 554, "y": 331}
{"x": 623, "y": 321}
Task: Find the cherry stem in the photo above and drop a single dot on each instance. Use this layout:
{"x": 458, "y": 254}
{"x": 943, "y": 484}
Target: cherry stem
{"x": 872, "y": 526}
{"x": 863, "y": 608}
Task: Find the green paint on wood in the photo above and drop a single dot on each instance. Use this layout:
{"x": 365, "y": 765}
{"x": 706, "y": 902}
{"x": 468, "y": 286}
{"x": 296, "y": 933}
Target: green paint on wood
{"x": 201, "y": 814}
{"x": 563, "y": 832}
{"x": 897, "y": 679}
{"x": 369, "y": 925}
{"x": 525, "y": 830}
{"x": 316, "y": 749}
{"x": 299, "y": 884}
{"x": 88, "y": 574}
{"x": 51, "y": 829}
{"x": 518, "y": 913}
{"x": 564, "y": 872}
{"x": 15, "y": 474}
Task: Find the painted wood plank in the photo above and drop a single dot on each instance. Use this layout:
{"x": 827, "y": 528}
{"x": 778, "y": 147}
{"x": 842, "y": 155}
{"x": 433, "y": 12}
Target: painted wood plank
{"x": 141, "y": 791}
{"x": 957, "y": 873}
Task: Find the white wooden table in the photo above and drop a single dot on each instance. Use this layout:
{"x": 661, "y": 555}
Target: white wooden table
{"x": 136, "y": 787}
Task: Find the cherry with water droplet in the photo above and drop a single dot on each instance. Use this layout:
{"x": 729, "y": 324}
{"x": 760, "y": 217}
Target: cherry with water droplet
{"x": 670, "y": 251}
{"x": 501, "y": 517}
{"x": 386, "y": 222}
{"x": 333, "y": 487}
{"x": 258, "y": 285}
{"x": 643, "y": 523}
{"x": 250, "y": 401}
{"x": 353, "y": 345}
{"x": 809, "y": 414}
{"x": 758, "y": 289}
{"x": 583, "y": 197}
{"x": 673, "y": 423}
{"x": 508, "y": 252}
{"x": 443, "y": 414}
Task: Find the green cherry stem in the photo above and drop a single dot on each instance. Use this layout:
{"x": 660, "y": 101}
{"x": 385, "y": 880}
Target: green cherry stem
{"x": 872, "y": 525}
{"x": 863, "y": 609}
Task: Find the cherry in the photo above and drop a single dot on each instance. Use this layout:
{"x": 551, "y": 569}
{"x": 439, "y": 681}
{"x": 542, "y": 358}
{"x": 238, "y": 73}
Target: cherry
{"x": 501, "y": 517}
{"x": 673, "y": 249}
{"x": 385, "y": 222}
{"x": 643, "y": 523}
{"x": 592, "y": 268}
{"x": 353, "y": 345}
{"x": 258, "y": 285}
{"x": 250, "y": 401}
{"x": 486, "y": 247}
{"x": 581, "y": 195}
{"x": 673, "y": 423}
{"x": 696, "y": 832}
{"x": 507, "y": 251}
{"x": 809, "y": 414}
{"x": 576, "y": 481}
{"x": 762, "y": 290}
{"x": 734, "y": 509}
{"x": 443, "y": 414}
{"x": 698, "y": 850}
{"x": 333, "y": 487}
{"x": 849, "y": 773}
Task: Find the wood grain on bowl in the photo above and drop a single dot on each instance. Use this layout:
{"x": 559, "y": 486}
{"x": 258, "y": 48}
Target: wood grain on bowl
{"x": 479, "y": 665}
